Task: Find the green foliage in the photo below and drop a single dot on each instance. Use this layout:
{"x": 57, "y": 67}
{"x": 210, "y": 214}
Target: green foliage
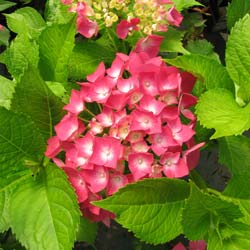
{"x": 19, "y": 55}
{"x": 6, "y": 4}
{"x": 4, "y": 210}
{"x": 209, "y": 211}
{"x": 57, "y": 13}
{"x": 217, "y": 109}
{"x": 152, "y": 208}
{"x": 33, "y": 97}
{"x": 19, "y": 141}
{"x": 87, "y": 231}
{"x": 202, "y": 47}
{"x": 237, "y": 9}
{"x": 86, "y": 57}
{"x": 44, "y": 211}
{"x": 234, "y": 154}
{"x": 6, "y": 92}
{"x": 173, "y": 41}
{"x": 4, "y": 37}
{"x": 26, "y": 20}
{"x": 206, "y": 69}
{"x": 184, "y": 4}
{"x": 56, "y": 44}
{"x": 237, "y": 57}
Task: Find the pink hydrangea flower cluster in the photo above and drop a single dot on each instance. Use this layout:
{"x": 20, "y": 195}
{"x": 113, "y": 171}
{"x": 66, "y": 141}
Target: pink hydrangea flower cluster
{"x": 138, "y": 132}
{"x": 147, "y": 16}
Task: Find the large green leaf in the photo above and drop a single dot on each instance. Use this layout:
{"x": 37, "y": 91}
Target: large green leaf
{"x": 206, "y": 69}
{"x": 204, "y": 213}
{"x": 86, "y": 57}
{"x": 217, "y": 109}
{"x": 19, "y": 140}
{"x": 56, "y": 44}
{"x": 236, "y": 10}
{"x": 33, "y": 97}
{"x": 26, "y": 20}
{"x": 238, "y": 57}
{"x": 44, "y": 211}
{"x": 184, "y": 4}
{"x": 21, "y": 53}
{"x": 152, "y": 208}
{"x": 56, "y": 12}
{"x": 6, "y": 92}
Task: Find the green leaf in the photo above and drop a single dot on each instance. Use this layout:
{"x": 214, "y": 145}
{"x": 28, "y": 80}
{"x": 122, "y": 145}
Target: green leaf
{"x": 56, "y": 12}
{"x": 33, "y": 97}
{"x": 215, "y": 241}
{"x": 7, "y": 88}
{"x": 19, "y": 140}
{"x": 21, "y": 53}
{"x": 204, "y": 213}
{"x": 56, "y": 45}
{"x": 236, "y": 10}
{"x": 237, "y": 57}
{"x": 173, "y": 41}
{"x": 4, "y": 37}
{"x": 152, "y": 208}
{"x": 217, "y": 109}
{"x": 26, "y": 20}
{"x": 184, "y": 4}
{"x": 6, "y": 4}
{"x": 44, "y": 211}
{"x": 87, "y": 231}
{"x": 58, "y": 90}
{"x": 202, "y": 47}
{"x": 234, "y": 154}
{"x": 206, "y": 69}
{"x": 4, "y": 210}
{"x": 85, "y": 58}
{"x": 237, "y": 242}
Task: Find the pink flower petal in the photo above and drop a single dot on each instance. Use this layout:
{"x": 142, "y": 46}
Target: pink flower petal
{"x": 67, "y": 127}
{"x": 86, "y": 27}
{"x": 97, "y": 178}
{"x": 78, "y": 183}
{"x": 140, "y": 164}
{"x": 106, "y": 151}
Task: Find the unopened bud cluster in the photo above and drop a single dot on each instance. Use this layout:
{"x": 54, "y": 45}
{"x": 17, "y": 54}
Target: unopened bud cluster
{"x": 152, "y": 15}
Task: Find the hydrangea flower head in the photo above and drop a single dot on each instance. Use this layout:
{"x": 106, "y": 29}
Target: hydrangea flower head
{"x": 137, "y": 130}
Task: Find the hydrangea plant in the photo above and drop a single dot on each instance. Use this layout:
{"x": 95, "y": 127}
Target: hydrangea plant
{"x": 104, "y": 111}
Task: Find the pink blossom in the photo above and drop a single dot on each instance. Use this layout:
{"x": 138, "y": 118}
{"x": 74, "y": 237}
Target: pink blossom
{"x": 66, "y": 2}
{"x": 86, "y": 27}
{"x": 106, "y": 151}
{"x": 54, "y": 147}
{"x": 78, "y": 183}
{"x": 135, "y": 126}
{"x": 97, "y": 178}
{"x": 150, "y": 45}
{"x": 140, "y": 164}
{"x": 173, "y": 165}
{"x": 174, "y": 17}
{"x": 197, "y": 245}
{"x": 124, "y": 27}
{"x": 179, "y": 246}
{"x": 67, "y": 127}
{"x": 76, "y": 104}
